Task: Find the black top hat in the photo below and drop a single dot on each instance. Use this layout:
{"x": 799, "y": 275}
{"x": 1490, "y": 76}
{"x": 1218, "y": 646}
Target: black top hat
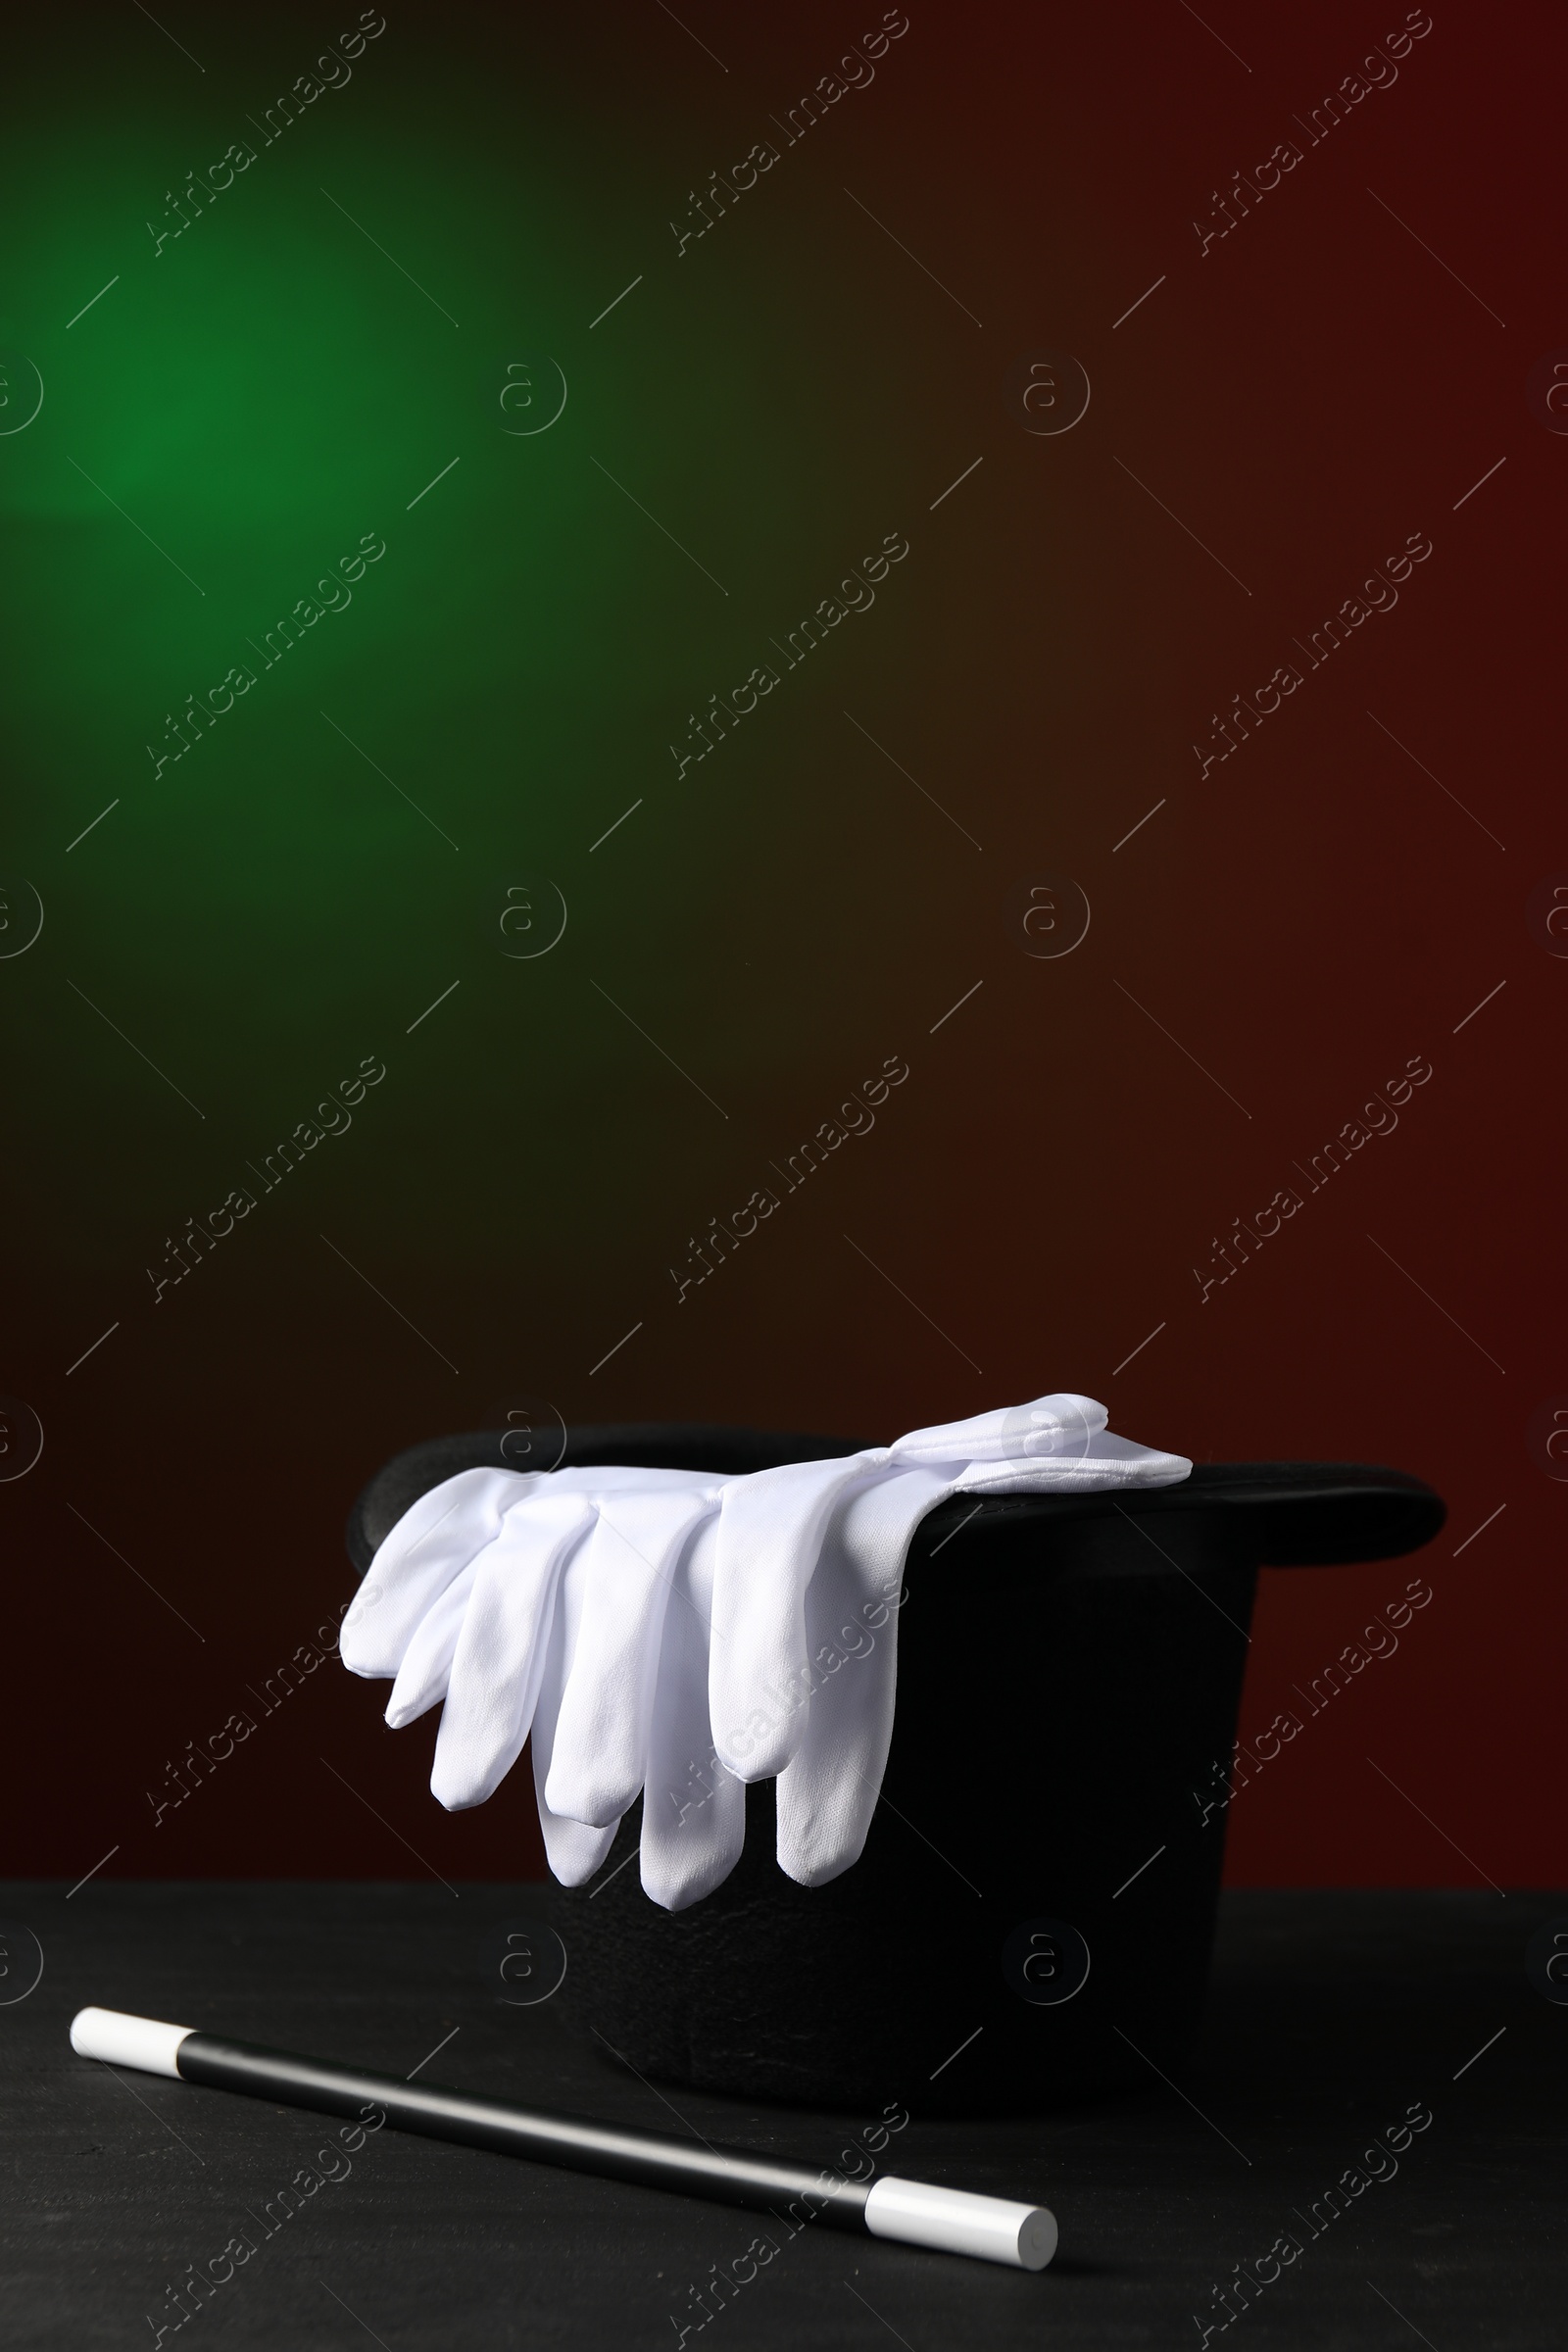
{"x": 1041, "y": 1878}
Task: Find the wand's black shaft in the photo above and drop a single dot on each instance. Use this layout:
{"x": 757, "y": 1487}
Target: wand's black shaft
{"x": 733, "y": 2176}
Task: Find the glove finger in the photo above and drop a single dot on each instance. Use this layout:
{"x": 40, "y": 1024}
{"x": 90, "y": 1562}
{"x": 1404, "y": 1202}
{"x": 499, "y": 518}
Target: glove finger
{"x": 694, "y": 1811}
{"x": 1049, "y": 1427}
{"x": 828, "y": 1792}
{"x": 572, "y": 1849}
{"x": 1137, "y": 1465}
{"x": 770, "y": 1529}
{"x": 624, "y": 1573}
{"x": 426, "y": 1668}
{"x": 434, "y": 1539}
{"x": 501, "y": 1649}
{"x": 1105, "y": 1463}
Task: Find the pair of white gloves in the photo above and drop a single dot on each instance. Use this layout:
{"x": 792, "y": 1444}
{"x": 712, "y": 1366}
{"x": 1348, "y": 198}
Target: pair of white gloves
{"x": 676, "y": 1632}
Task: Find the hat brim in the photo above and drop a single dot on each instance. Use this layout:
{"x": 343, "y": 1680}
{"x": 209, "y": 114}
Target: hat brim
{"x": 1285, "y": 1514}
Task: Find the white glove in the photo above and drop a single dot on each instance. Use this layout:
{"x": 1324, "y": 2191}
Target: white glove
{"x": 681, "y": 1633}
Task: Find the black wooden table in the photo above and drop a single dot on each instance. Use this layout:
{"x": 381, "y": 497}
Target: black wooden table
{"x": 1333, "y": 2018}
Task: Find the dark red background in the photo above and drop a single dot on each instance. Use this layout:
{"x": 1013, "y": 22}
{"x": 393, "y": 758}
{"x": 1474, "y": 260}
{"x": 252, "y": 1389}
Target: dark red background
{"x": 1304, "y": 920}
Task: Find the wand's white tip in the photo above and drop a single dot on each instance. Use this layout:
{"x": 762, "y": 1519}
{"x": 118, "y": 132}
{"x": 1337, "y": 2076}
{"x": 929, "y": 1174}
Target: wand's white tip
{"x": 957, "y": 2222}
{"x": 122, "y": 2040}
